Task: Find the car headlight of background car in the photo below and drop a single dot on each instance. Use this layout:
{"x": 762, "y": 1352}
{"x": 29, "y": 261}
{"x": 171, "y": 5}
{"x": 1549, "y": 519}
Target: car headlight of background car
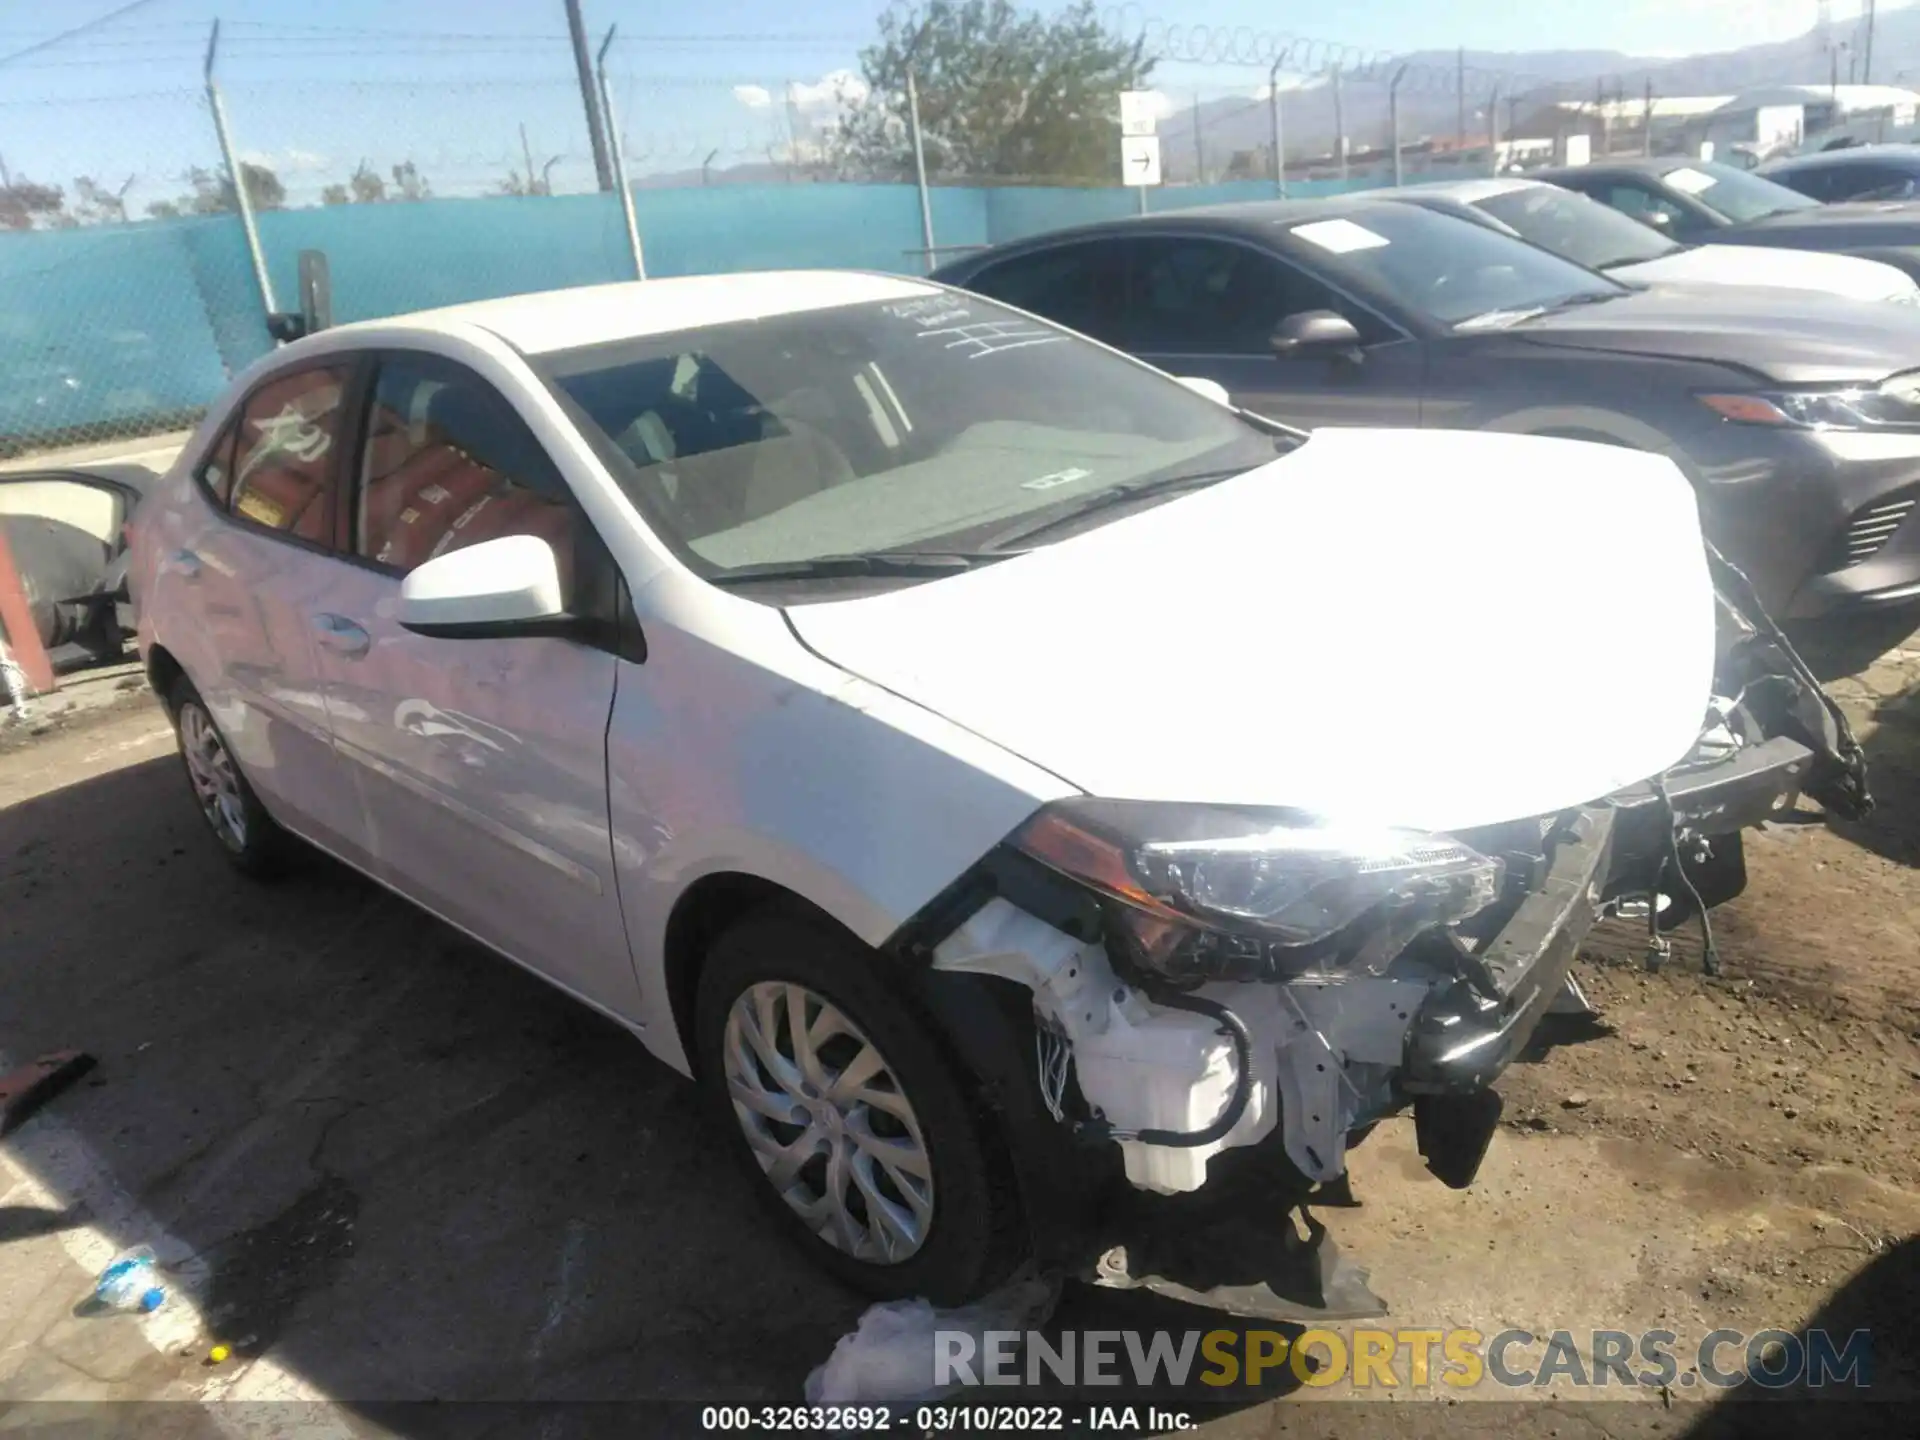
{"x": 1893, "y": 403}
{"x": 1210, "y": 893}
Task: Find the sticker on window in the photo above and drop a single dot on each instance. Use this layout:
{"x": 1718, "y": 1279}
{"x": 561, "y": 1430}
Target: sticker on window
{"x": 1690, "y": 182}
{"x": 1340, "y": 236}
{"x": 1058, "y": 477}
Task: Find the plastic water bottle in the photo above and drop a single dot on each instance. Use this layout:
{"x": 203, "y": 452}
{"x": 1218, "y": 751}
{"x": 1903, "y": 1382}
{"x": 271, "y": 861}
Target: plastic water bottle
{"x": 128, "y": 1283}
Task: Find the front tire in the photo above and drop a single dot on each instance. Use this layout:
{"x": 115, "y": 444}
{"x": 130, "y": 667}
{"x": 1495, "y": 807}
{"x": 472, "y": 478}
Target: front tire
{"x": 840, "y": 1103}
{"x": 248, "y": 836}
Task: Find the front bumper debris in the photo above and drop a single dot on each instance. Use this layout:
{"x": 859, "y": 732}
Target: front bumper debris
{"x": 1462, "y": 1038}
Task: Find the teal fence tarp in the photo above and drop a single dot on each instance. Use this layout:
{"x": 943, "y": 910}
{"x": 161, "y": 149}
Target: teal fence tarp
{"x": 116, "y": 329}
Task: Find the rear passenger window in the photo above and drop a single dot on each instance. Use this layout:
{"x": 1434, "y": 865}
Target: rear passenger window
{"x": 1083, "y": 287}
{"x": 446, "y": 464}
{"x": 283, "y": 473}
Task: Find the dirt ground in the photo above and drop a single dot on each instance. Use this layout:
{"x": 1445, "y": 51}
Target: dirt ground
{"x": 387, "y": 1168}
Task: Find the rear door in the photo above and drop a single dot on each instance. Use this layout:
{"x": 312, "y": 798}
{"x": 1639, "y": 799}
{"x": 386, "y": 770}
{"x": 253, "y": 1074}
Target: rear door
{"x": 245, "y": 580}
{"x": 1202, "y": 305}
{"x": 481, "y": 763}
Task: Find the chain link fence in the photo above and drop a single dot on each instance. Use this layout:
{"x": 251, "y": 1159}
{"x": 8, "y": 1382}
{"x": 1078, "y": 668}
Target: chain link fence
{"x": 450, "y": 168}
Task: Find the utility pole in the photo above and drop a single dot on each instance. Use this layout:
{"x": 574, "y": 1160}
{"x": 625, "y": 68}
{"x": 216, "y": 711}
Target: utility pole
{"x": 1866, "y": 60}
{"x": 1646, "y": 121}
{"x": 1493, "y": 130}
{"x": 1393, "y": 118}
{"x": 1199, "y": 146}
{"x": 596, "y": 123}
{"x": 1279, "y": 139}
{"x": 1460, "y": 76}
{"x": 1339, "y": 125}
{"x": 1605, "y": 136}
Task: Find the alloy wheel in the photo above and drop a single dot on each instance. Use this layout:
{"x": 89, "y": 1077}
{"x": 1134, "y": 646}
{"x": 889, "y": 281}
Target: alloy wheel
{"x": 828, "y": 1122}
{"x": 216, "y": 781}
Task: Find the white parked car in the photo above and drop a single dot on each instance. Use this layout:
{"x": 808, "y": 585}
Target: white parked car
{"x": 1014, "y": 783}
{"x": 1588, "y": 233}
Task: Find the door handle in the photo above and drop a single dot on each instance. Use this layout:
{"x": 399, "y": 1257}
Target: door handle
{"x": 183, "y": 563}
{"x": 341, "y": 635}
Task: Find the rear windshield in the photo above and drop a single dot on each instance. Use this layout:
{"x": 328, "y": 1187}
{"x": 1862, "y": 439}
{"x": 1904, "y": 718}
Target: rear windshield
{"x": 1737, "y": 194}
{"x": 1584, "y": 231}
{"x": 1455, "y": 271}
{"x": 879, "y": 427}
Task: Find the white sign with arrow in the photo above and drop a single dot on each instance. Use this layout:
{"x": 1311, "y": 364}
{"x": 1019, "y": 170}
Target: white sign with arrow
{"x": 1140, "y": 160}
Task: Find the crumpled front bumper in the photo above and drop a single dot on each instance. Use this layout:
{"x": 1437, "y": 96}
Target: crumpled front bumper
{"x": 1462, "y": 1038}
{"x": 1328, "y": 1055}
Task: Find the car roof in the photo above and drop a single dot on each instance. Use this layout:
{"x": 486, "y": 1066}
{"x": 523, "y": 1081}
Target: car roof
{"x": 1467, "y": 192}
{"x": 551, "y": 320}
{"x": 1830, "y": 159}
{"x": 1653, "y": 167}
{"x": 1251, "y": 218}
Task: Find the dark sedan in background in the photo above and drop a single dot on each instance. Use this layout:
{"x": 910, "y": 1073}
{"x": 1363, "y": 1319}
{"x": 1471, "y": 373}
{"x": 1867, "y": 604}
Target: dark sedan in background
{"x": 1699, "y": 202}
{"x": 1858, "y": 172}
{"x": 1796, "y": 417}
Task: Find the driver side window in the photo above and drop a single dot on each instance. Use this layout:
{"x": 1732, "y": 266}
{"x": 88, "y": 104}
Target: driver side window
{"x": 1645, "y": 206}
{"x": 1194, "y": 296}
{"x": 446, "y": 463}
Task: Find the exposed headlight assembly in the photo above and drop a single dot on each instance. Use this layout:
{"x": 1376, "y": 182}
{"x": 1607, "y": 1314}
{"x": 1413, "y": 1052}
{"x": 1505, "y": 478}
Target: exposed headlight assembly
{"x": 1894, "y": 403}
{"x": 1211, "y": 893}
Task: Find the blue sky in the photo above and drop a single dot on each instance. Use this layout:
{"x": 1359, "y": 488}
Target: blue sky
{"x": 316, "y": 89}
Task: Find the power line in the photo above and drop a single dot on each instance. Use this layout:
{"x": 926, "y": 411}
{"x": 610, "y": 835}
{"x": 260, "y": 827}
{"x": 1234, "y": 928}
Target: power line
{"x": 80, "y": 29}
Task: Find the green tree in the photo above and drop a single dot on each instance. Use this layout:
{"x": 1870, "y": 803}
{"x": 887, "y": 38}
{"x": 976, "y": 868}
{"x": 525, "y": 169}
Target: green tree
{"x": 1003, "y": 92}
{"x": 411, "y": 184}
{"x": 22, "y": 201}
{"x": 212, "y": 193}
{"x": 366, "y": 185}
{"x": 95, "y": 204}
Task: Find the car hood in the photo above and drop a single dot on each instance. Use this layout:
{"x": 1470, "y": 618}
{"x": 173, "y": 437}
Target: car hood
{"x": 1826, "y": 227}
{"x": 1887, "y": 214}
{"x": 1789, "y": 336}
{"x": 1774, "y": 268}
{"x": 1428, "y": 628}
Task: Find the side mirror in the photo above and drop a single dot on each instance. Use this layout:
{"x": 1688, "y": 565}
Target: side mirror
{"x": 1212, "y": 389}
{"x": 1315, "y": 330}
{"x": 499, "y": 588}
{"x": 1659, "y": 219}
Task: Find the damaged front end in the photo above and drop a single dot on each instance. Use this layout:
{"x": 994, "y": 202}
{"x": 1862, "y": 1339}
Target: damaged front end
{"x": 1193, "y": 1011}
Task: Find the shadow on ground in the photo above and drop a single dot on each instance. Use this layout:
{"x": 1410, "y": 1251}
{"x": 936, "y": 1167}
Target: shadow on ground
{"x": 414, "y": 1172}
{"x": 1893, "y": 768}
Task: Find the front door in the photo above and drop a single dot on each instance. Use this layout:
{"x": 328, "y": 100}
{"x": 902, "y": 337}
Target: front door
{"x": 481, "y": 763}
{"x": 1205, "y": 306}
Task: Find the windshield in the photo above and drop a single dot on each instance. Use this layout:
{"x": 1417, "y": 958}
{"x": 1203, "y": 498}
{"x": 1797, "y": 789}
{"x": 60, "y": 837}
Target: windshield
{"x": 906, "y": 425}
{"x": 1582, "y": 230}
{"x": 1738, "y": 195}
{"x": 1454, "y": 271}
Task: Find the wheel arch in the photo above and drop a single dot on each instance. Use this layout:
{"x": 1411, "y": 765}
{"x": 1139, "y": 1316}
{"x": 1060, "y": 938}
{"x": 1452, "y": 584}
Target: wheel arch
{"x": 163, "y": 671}
{"x": 707, "y": 908}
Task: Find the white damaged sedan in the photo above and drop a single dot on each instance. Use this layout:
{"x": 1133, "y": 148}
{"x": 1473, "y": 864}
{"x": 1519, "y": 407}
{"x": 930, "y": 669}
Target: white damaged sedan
{"x": 1046, "y": 808}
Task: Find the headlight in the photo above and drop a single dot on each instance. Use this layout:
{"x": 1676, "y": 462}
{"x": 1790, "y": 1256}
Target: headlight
{"x": 1894, "y": 402}
{"x": 1213, "y": 893}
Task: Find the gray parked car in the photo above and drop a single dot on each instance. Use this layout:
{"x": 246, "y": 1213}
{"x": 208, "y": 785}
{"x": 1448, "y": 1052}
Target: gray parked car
{"x": 1698, "y": 202}
{"x": 1857, "y": 172}
{"x": 1581, "y": 229}
{"x": 1796, "y": 417}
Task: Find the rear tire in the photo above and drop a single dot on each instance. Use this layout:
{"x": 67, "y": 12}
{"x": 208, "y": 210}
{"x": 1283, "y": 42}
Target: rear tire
{"x": 858, "y": 1133}
{"x": 247, "y": 835}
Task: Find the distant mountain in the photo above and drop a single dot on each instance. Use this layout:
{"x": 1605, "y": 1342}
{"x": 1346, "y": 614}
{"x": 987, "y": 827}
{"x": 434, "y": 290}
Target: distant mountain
{"x": 1429, "y": 95}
